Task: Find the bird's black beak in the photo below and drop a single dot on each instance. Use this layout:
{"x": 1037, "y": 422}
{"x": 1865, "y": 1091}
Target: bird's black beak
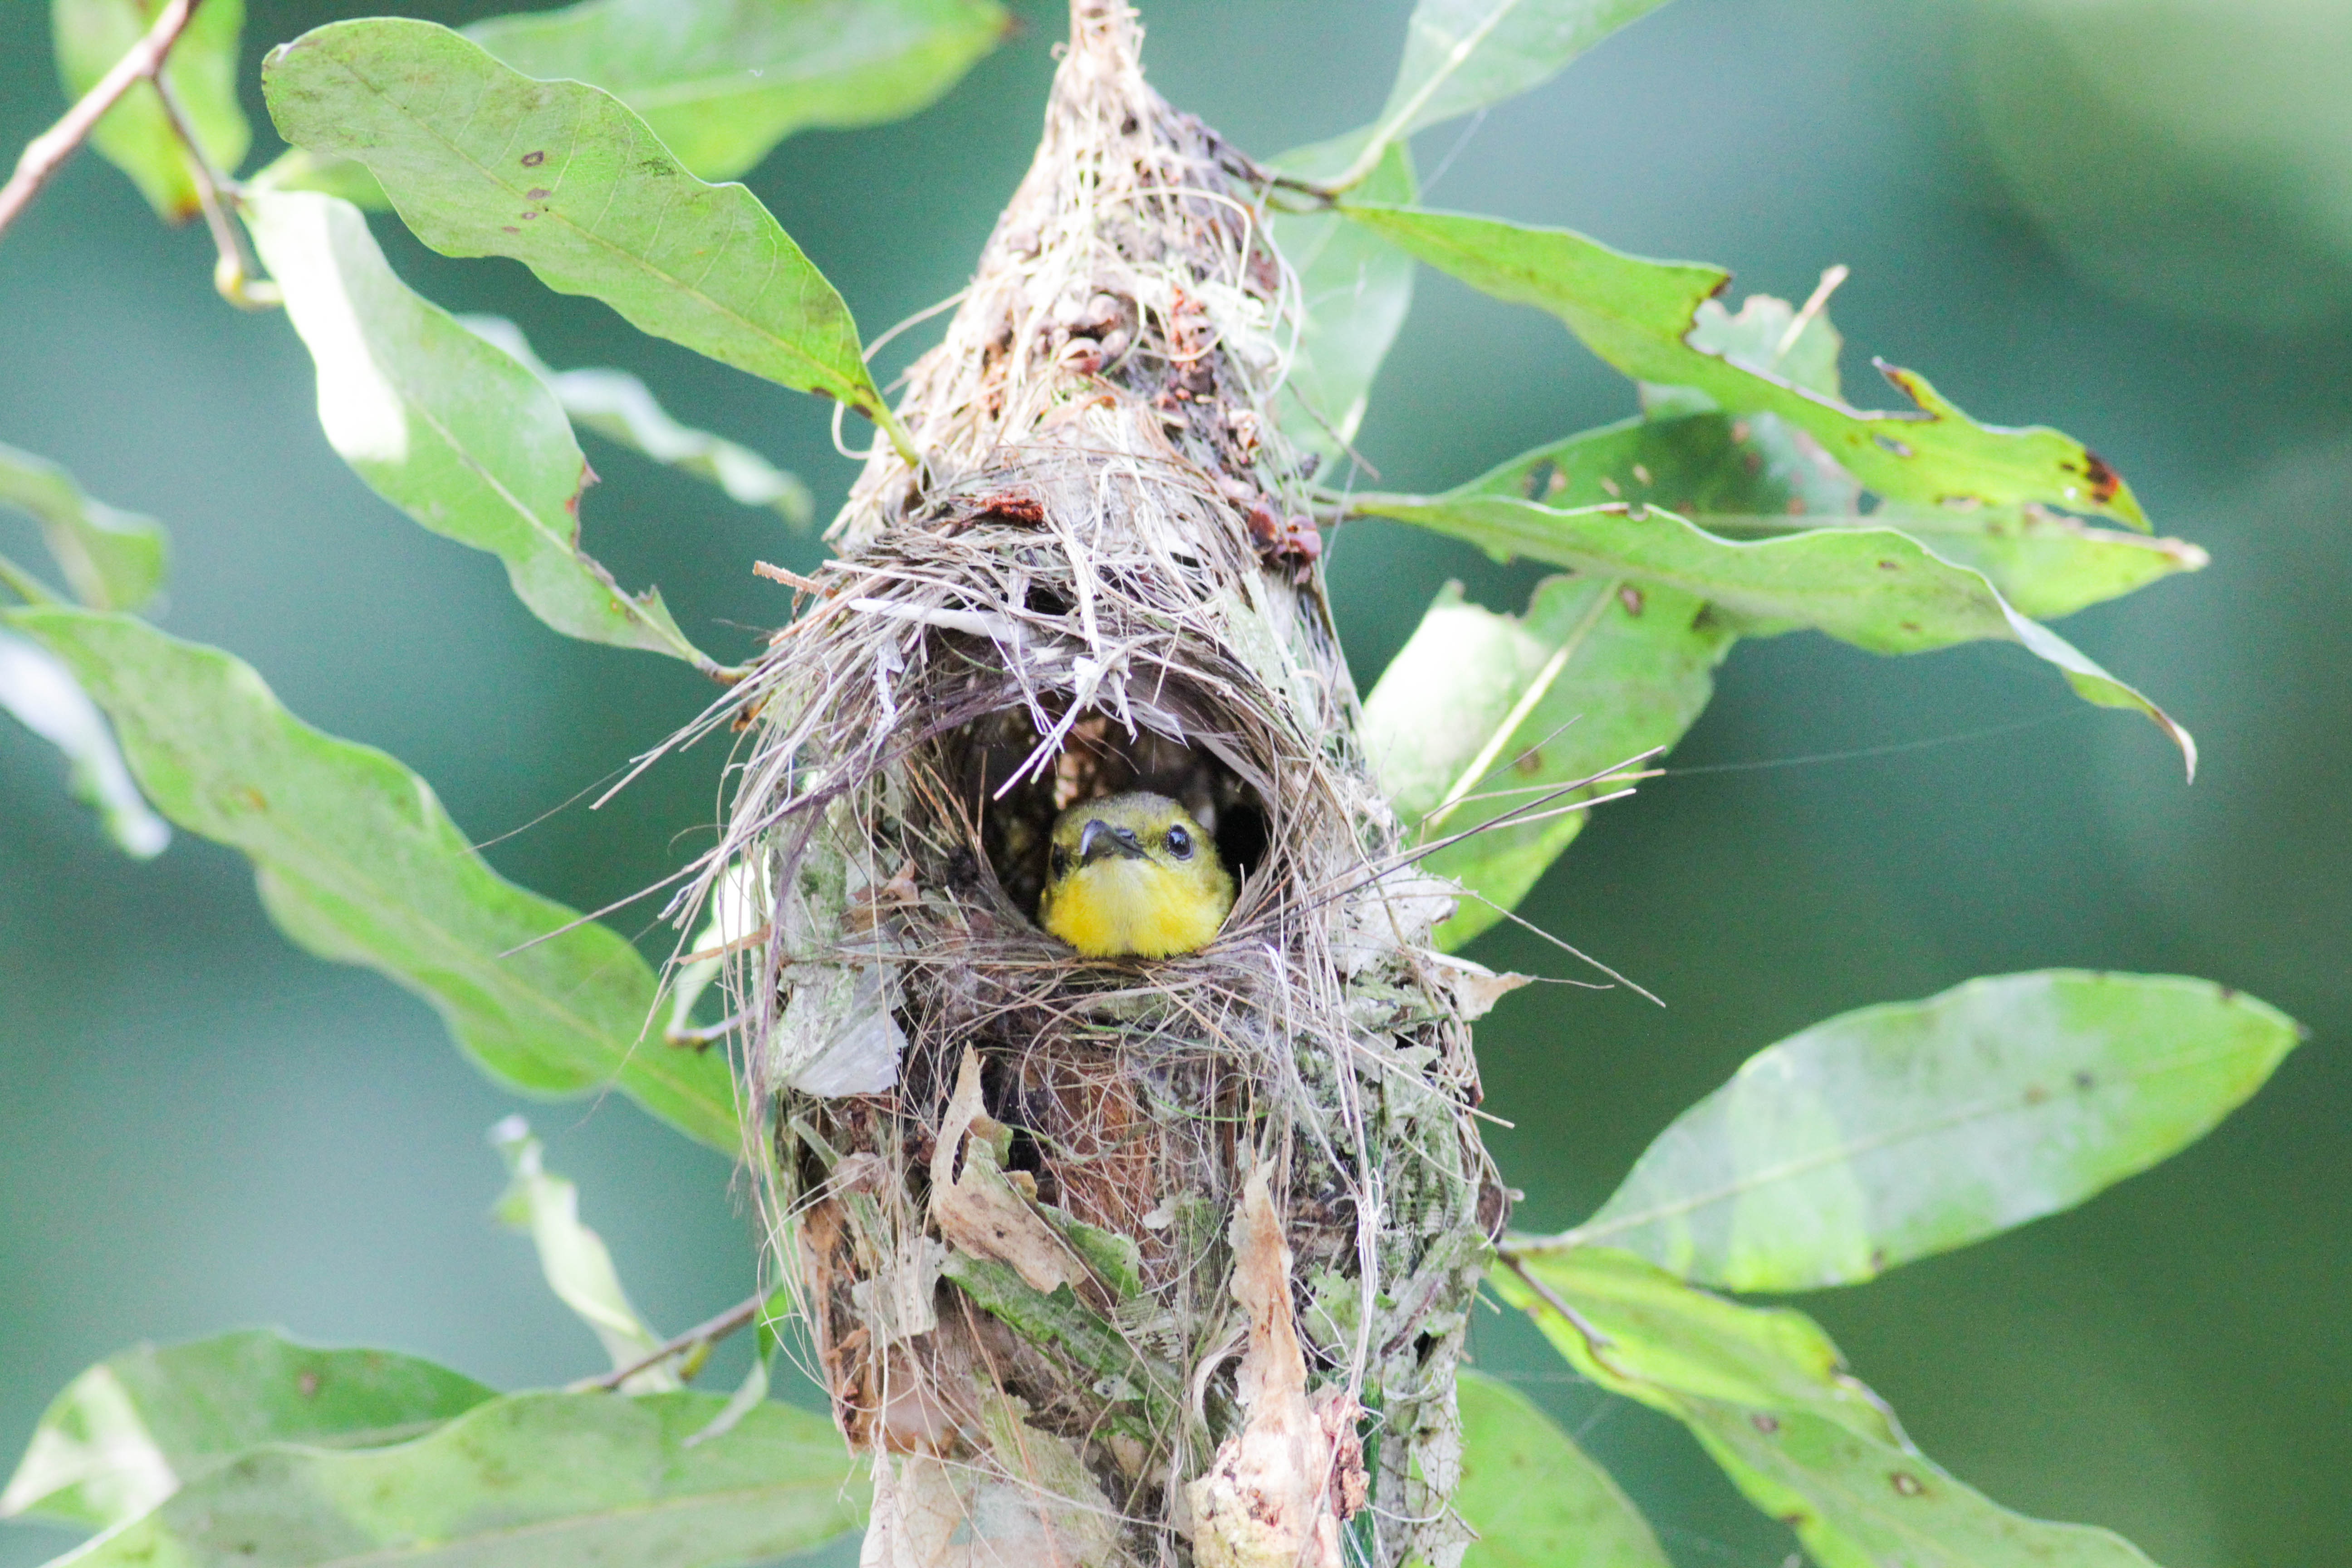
{"x": 1100, "y": 839}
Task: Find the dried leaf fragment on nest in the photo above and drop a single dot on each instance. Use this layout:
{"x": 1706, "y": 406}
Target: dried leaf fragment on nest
{"x": 1276, "y": 1492}
{"x": 977, "y": 1206}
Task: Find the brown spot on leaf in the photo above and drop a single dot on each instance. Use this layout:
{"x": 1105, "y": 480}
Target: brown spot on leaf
{"x": 1889, "y": 444}
{"x": 510, "y": 228}
{"x": 1890, "y": 566}
{"x": 2105, "y": 482}
{"x": 251, "y": 798}
{"x": 2084, "y": 1080}
{"x": 1905, "y": 1482}
{"x": 533, "y": 159}
{"x": 1631, "y": 597}
{"x": 537, "y": 192}
{"x": 1764, "y": 1422}
{"x": 2035, "y": 1094}
{"x": 306, "y": 1384}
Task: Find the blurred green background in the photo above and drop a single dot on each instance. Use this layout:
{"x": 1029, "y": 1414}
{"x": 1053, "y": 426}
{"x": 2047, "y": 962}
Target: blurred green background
{"x": 2128, "y": 218}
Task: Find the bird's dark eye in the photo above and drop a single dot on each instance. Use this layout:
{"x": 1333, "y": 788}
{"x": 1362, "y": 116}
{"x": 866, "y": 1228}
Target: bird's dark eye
{"x": 1180, "y": 844}
{"x": 1061, "y": 861}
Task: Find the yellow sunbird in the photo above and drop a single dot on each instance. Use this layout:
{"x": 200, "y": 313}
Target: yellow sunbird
{"x": 1133, "y": 875}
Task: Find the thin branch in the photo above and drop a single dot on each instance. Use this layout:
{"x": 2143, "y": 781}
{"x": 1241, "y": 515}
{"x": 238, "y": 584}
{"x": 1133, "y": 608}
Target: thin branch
{"x": 708, "y": 1334}
{"x": 235, "y": 273}
{"x": 46, "y": 153}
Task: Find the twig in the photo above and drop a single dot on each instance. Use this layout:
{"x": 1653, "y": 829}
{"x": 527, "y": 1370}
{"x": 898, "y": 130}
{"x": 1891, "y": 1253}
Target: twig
{"x": 708, "y": 1334}
{"x": 234, "y": 273}
{"x": 44, "y": 153}
{"x": 1597, "y": 1342}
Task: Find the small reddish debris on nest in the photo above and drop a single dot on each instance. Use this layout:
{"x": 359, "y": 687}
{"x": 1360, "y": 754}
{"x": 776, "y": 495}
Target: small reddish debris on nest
{"x": 1012, "y": 506}
{"x": 1287, "y": 538}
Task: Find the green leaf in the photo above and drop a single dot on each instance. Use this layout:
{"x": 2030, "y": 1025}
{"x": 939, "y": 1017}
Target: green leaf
{"x": 1766, "y": 1394}
{"x": 137, "y": 1426}
{"x": 1465, "y": 54}
{"x": 1482, "y": 715}
{"x": 1354, "y": 291}
{"x": 445, "y": 426}
{"x": 358, "y": 862}
{"x": 531, "y": 1480}
{"x": 723, "y": 81}
{"x": 1531, "y": 1494}
{"x": 1901, "y": 1130}
{"x": 298, "y": 169}
{"x": 1873, "y": 587}
{"x": 134, "y": 135}
{"x": 482, "y": 161}
{"x": 112, "y": 560}
{"x": 619, "y": 407}
{"x": 577, "y": 1264}
{"x": 44, "y": 697}
{"x": 1643, "y": 317}
{"x": 1691, "y": 465}
{"x": 2045, "y": 563}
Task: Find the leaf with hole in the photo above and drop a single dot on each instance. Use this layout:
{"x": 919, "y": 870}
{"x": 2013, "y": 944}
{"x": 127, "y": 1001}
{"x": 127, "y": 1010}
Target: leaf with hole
{"x": 1643, "y": 317}
{"x": 140, "y": 1424}
{"x": 445, "y": 426}
{"x": 135, "y": 136}
{"x": 1481, "y": 721}
{"x": 620, "y": 408}
{"x": 1875, "y": 588}
{"x": 722, "y": 83}
{"x": 358, "y": 862}
{"x": 1533, "y": 1496}
{"x": 1901, "y": 1130}
{"x": 529, "y": 1481}
{"x": 111, "y": 560}
{"x": 480, "y": 159}
{"x": 1766, "y": 1394}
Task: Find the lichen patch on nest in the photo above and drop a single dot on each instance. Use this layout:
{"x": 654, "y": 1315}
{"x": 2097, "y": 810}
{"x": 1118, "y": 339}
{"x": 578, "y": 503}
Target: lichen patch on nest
{"x": 1003, "y": 1181}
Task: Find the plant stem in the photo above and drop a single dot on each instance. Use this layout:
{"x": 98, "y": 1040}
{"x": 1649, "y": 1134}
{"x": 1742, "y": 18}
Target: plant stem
{"x": 46, "y": 153}
{"x": 232, "y": 275}
{"x": 706, "y": 1333}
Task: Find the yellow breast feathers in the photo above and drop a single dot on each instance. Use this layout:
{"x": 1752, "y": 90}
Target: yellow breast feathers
{"x": 1134, "y": 874}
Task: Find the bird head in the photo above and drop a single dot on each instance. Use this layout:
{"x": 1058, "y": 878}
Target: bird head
{"x": 1134, "y": 874}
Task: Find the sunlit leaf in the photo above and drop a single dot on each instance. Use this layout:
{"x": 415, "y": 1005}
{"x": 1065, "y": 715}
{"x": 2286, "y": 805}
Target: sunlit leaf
{"x": 358, "y": 862}
{"x": 1698, "y": 464}
{"x": 445, "y": 426}
{"x": 481, "y": 160}
{"x": 1481, "y": 716}
{"x": 1465, "y": 54}
{"x": 1354, "y": 288}
{"x": 577, "y": 1264}
{"x": 1641, "y": 316}
{"x": 1531, "y": 1494}
{"x": 721, "y": 83}
{"x": 531, "y": 1480}
{"x": 112, "y": 560}
{"x": 44, "y": 697}
{"x": 619, "y": 407}
{"x": 1897, "y": 1132}
{"x": 134, "y": 136}
{"x": 131, "y": 1430}
{"x": 1766, "y": 1394}
{"x": 1873, "y": 587}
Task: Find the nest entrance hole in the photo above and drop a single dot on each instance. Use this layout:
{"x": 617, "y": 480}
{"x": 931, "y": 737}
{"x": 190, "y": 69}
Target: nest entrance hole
{"x": 1099, "y": 758}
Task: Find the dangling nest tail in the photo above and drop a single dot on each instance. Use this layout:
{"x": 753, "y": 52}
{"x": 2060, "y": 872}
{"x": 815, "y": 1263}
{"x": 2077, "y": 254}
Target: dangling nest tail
{"x": 1133, "y": 1262}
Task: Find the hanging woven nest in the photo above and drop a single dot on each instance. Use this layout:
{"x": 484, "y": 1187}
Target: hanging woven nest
{"x": 1118, "y": 1260}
